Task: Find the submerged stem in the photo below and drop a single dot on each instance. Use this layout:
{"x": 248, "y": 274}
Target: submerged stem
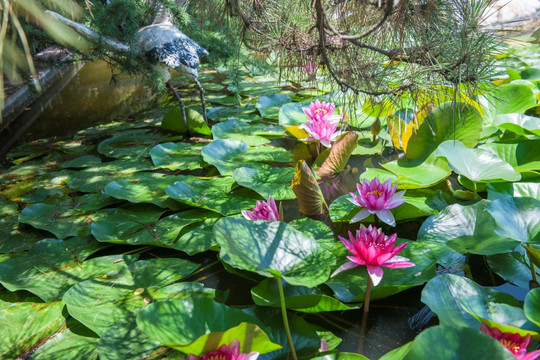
{"x": 364, "y": 317}
{"x": 285, "y": 320}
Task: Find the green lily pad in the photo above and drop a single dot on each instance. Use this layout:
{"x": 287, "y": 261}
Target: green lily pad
{"x": 299, "y": 298}
{"x": 246, "y": 113}
{"x": 16, "y": 237}
{"x": 95, "y": 178}
{"x": 532, "y": 306}
{"x": 267, "y": 180}
{"x": 269, "y": 106}
{"x": 316, "y": 229}
{"x": 101, "y": 303}
{"x": 292, "y": 114}
{"x": 174, "y": 121}
{"x": 507, "y": 318}
{"x": 511, "y": 267}
{"x": 172, "y": 323}
{"x": 413, "y": 175}
{"x": 447, "y": 121}
{"x": 516, "y": 218}
{"x": 124, "y": 340}
{"x": 460, "y": 229}
{"x": 476, "y": 164}
{"x": 341, "y": 356}
{"x": 522, "y": 155}
{"x": 69, "y": 345}
{"x": 52, "y": 266}
{"x": 250, "y": 134}
{"x": 177, "y": 156}
{"x": 443, "y": 295}
{"x": 512, "y": 98}
{"x": 521, "y": 189}
{"x": 272, "y": 249}
{"x": 83, "y": 161}
{"x": 222, "y": 99}
{"x": 135, "y": 144}
{"x": 70, "y": 217}
{"x": 26, "y": 322}
{"x": 451, "y": 343}
{"x": 519, "y": 123}
{"x": 227, "y": 155}
{"x": 213, "y": 194}
{"x": 376, "y": 109}
{"x": 350, "y": 285}
{"x": 148, "y": 189}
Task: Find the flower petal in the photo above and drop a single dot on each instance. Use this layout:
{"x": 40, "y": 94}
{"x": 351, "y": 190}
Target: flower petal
{"x": 375, "y": 273}
{"x": 386, "y": 217}
{"x": 362, "y": 214}
{"x": 348, "y": 265}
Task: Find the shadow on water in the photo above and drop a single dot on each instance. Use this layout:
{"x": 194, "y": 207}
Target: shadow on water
{"x": 91, "y": 98}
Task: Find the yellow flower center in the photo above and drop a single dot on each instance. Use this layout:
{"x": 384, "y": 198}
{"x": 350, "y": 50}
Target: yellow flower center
{"x": 321, "y": 110}
{"x": 510, "y": 345}
{"x": 217, "y": 357}
{"x": 377, "y": 193}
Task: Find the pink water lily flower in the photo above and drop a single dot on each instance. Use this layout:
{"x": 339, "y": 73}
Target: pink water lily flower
{"x": 377, "y": 198}
{"x": 230, "y": 352}
{"x": 310, "y": 68}
{"x": 371, "y": 247}
{"x": 516, "y": 343}
{"x": 321, "y": 111}
{"x": 323, "y": 131}
{"x": 263, "y": 210}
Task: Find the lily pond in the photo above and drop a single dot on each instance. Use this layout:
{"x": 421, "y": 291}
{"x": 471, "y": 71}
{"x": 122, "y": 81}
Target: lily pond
{"x": 276, "y": 229}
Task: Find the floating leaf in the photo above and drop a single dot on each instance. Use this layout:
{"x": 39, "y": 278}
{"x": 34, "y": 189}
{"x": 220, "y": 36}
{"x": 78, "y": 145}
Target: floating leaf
{"x": 101, "y": 303}
{"x": 26, "y": 322}
{"x": 134, "y": 144}
{"x": 521, "y": 189}
{"x": 476, "y": 164}
{"x": 443, "y": 295}
{"x": 269, "y": 106}
{"x": 16, "y": 237}
{"x": 458, "y": 122}
{"x": 414, "y": 175}
{"x": 227, "y": 154}
{"x": 512, "y": 98}
{"x": 378, "y": 109}
{"x": 511, "y": 267}
{"x": 272, "y": 248}
{"x": 291, "y": 116}
{"x": 174, "y": 121}
{"x": 532, "y": 306}
{"x": 522, "y": 155}
{"x": 460, "y": 229}
{"x": 213, "y": 194}
{"x": 172, "y": 324}
{"x": 69, "y": 345}
{"x": 177, "y": 156}
{"x": 516, "y": 218}
{"x": 81, "y": 162}
{"x": 299, "y": 298}
{"x": 250, "y": 134}
{"x": 52, "y": 266}
{"x": 519, "y": 123}
{"x": 267, "y": 180}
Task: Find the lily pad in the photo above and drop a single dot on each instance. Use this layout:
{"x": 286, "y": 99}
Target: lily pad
{"x": 70, "y": 217}
{"x": 227, "y": 155}
{"x": 522, "y": 155}
{"x": 269, "y": 106}
{"x": 267, "y": 180}
{"x": 272, "y": 249}
{"x": 516, "y": 218}
{"x": 172, "y": 324}
{"x": 213, "y": 194}
{"x": 250, "y": 134}
{"x": 299, "y": 298}
{"x": 174, "y": 121}
{"x": 52, "y": 266}
{"x": 134, "y": 144}
{"x": 69, "y": 345}
{"x": 512, "y": 98}
{"x": 521, "y": 189}
{"x": 83, "y": 161}
{"x": 476, "y": 164}
{"x": 26, "y": 322}
{"x": 443, "y": 295}
{"x": 511, "y": 267}
{"x": 177, "y": 156}
{"x": 16, "y": 237}
{"x": 459, "y": 122}
{"x": 101, "y": 303}
{"x": 532, "y": 306}
{"x": 460, "y": 229}
{"x": 519, "y": 123}
{"x": 413, "y": 175}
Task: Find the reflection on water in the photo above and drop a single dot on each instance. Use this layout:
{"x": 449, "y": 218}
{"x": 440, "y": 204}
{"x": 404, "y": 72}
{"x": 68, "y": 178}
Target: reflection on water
{"x": 91, "y": 98}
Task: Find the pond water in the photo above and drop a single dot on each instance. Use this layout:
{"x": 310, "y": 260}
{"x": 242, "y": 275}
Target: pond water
{"x": 92, "y": 97}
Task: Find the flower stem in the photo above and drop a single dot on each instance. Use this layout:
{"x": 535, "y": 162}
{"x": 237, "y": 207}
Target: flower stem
{"x": 285, "y": 320}
{"x": 364, "y": 317}
{"x": 475, "y": 190}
